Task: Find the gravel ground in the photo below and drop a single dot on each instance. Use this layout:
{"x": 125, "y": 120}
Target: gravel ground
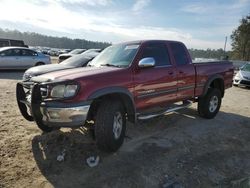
{"x": 177, "y": 150}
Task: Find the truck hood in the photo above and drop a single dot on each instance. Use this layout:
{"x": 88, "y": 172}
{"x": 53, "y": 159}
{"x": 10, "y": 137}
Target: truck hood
{"x": 72, "y": 74}
{"x": 38, "y": 70}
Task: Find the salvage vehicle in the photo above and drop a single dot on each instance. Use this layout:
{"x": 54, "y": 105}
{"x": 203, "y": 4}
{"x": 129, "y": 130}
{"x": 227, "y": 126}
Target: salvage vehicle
{"x": 74, "y": 52}
{"x": 242, "y": 78}
{"x": 80, "y": 60}
{"x": 21, "y": 58}
{"x": 126, "y": 82}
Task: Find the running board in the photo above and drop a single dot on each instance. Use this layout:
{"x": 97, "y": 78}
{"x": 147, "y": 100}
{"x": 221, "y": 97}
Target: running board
{"x": 185, "y": 104}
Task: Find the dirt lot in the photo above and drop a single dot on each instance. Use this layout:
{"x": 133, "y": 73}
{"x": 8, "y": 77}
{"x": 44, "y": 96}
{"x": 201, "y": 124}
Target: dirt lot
{"x": 177, "y": 150}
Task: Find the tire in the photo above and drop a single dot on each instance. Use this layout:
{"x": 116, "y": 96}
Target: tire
{"x": 110, "y": 125}
{"x": 39, "y": 63}
{"x": 45, "y": 128}
{"x": 209, "y": 105}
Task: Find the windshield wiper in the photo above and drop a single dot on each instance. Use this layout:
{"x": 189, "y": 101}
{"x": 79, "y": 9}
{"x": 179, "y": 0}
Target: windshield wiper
{"x": 110, "y": 65}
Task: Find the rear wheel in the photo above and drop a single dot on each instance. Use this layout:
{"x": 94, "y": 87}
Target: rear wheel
{"x": 209, "y": 105}
{"x": 39, "y": 63}
{"x": 110, "y": 125}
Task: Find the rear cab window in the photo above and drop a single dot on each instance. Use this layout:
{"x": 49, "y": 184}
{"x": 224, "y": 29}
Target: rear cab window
{"x": 179, "y": 53}
{"x": 159, "y": 52}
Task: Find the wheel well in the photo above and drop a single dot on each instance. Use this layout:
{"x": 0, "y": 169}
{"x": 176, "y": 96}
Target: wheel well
{"x": 125, "y": 99}
{"x": 39, "y": 63}
{"x": 218, "y": 84}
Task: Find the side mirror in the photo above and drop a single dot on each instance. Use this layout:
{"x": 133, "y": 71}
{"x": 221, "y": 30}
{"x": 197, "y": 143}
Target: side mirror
{"x": 147, "y": 62}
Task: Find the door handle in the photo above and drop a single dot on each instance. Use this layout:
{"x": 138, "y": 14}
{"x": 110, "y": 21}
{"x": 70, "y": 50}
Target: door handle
{"x": 181, "y": 72}
{"x": 170, "y": 73}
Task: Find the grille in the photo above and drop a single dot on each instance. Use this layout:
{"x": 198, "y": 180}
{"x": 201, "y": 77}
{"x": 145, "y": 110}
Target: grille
{"x": 245, "y": 82}
{"x": 28, "y": 86}
{"x": 247, "y": 78}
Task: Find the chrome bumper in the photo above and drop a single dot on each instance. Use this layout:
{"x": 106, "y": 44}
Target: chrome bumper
{"x": 64, "y": 117}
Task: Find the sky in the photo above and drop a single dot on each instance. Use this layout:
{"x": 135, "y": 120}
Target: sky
{"x": 199, "y": 24}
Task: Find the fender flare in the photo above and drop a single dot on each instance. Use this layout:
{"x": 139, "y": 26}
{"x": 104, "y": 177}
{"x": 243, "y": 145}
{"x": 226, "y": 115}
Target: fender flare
{"x": 210, "y": 80}
{"x": 117, "y": 90}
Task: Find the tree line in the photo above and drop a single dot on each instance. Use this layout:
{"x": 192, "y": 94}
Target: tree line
{"x": 240, "y": 42}
{"x": 209, "y": 53}
{"x": 35, "y": 39}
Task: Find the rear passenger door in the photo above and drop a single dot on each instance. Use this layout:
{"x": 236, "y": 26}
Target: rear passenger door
{"x": 155, "y": 85}
{"x": 185, "y": 71}
{"x": 28, "y": 58}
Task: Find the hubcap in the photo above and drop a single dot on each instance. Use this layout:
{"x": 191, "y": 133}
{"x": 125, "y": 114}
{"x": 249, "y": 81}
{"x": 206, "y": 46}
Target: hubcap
{"x": 213, "y": 104}
{"x": 117, "y": 125}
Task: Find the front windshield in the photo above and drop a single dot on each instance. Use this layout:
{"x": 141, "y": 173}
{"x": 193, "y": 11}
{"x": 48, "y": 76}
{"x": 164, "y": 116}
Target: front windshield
{"x": 119, "y": 55}
{"x": 77, "y": 61}
{"x": 77, "y": 51}
{"x": 246, "y": 68}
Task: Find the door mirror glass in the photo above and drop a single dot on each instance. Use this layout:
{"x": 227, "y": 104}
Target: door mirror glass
{"x": 147, "y": 62}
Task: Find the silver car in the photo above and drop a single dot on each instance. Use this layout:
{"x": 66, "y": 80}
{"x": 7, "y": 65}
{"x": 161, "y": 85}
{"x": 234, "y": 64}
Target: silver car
{"x": 21, "y": 58}
{"x": 242, "y": 78}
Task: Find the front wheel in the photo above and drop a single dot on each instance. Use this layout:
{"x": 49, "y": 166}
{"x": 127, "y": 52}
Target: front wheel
{"x": 209, "y": 105}
{"x": 110, "y": 125}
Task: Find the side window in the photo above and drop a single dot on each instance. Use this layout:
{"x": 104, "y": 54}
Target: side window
{"x": 28, "y": 53}
{"x": 180, "y": 54}
{"x": 11, "y": 52}
{"x": 5, "y": 53}
{"x": 158, "y": 52}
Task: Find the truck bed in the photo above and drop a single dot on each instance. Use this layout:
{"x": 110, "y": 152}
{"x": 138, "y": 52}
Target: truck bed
{"x": 205, "y": 70}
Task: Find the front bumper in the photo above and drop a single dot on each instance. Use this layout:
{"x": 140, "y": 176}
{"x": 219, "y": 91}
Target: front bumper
{"x": 50, "y": 113}
{"x": 241, "y": 82}
{"x": 64, "y": 117}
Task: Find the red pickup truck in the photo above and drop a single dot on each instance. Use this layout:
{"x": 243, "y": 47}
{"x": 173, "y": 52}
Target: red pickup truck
{"x": 126, "y": 82}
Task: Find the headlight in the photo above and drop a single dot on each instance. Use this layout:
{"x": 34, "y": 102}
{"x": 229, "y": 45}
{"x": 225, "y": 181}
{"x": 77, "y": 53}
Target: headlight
{"x": 238, "y": 75}
{"x": 61, "y": 91}
{"x": 26, "y": 76}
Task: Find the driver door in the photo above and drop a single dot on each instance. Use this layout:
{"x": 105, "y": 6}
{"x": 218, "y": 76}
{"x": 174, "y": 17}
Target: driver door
{"x": 155, "y": 85}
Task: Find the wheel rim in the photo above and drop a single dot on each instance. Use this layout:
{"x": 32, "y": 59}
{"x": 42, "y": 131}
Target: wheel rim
{"x": 213, "y": 104}
{"x": 117, "y": 125}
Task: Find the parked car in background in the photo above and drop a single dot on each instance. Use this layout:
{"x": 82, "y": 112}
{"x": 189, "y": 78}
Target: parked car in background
{"x": 92, "y": 51}
{"x": 64, "y": 51}
{"x": 242, "y": 78}
{"x": 80, "y": 60}
{"x": 62, "y": 57}
{"x": 21, "y": 58}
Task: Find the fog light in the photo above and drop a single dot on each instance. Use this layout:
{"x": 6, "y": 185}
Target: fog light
{"x": 54, "y": 115}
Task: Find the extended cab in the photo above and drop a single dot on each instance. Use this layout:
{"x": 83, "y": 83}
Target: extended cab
{"x": 126, "y": 82}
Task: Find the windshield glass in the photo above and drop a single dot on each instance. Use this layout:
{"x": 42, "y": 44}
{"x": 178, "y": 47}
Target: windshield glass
{"x": 77, "y": 61}
{"x": 246, "y": 68}
{"x": 119, "y": 55}
{"x": 77, "y": 51}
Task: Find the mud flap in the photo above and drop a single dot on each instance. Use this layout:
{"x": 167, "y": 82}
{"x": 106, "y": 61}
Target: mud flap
{"x": 21, "y": 96}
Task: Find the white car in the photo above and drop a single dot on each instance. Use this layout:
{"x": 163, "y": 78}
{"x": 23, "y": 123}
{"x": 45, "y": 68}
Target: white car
{"x": 242, "y": 78}
{"x": 21, "y": 58}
